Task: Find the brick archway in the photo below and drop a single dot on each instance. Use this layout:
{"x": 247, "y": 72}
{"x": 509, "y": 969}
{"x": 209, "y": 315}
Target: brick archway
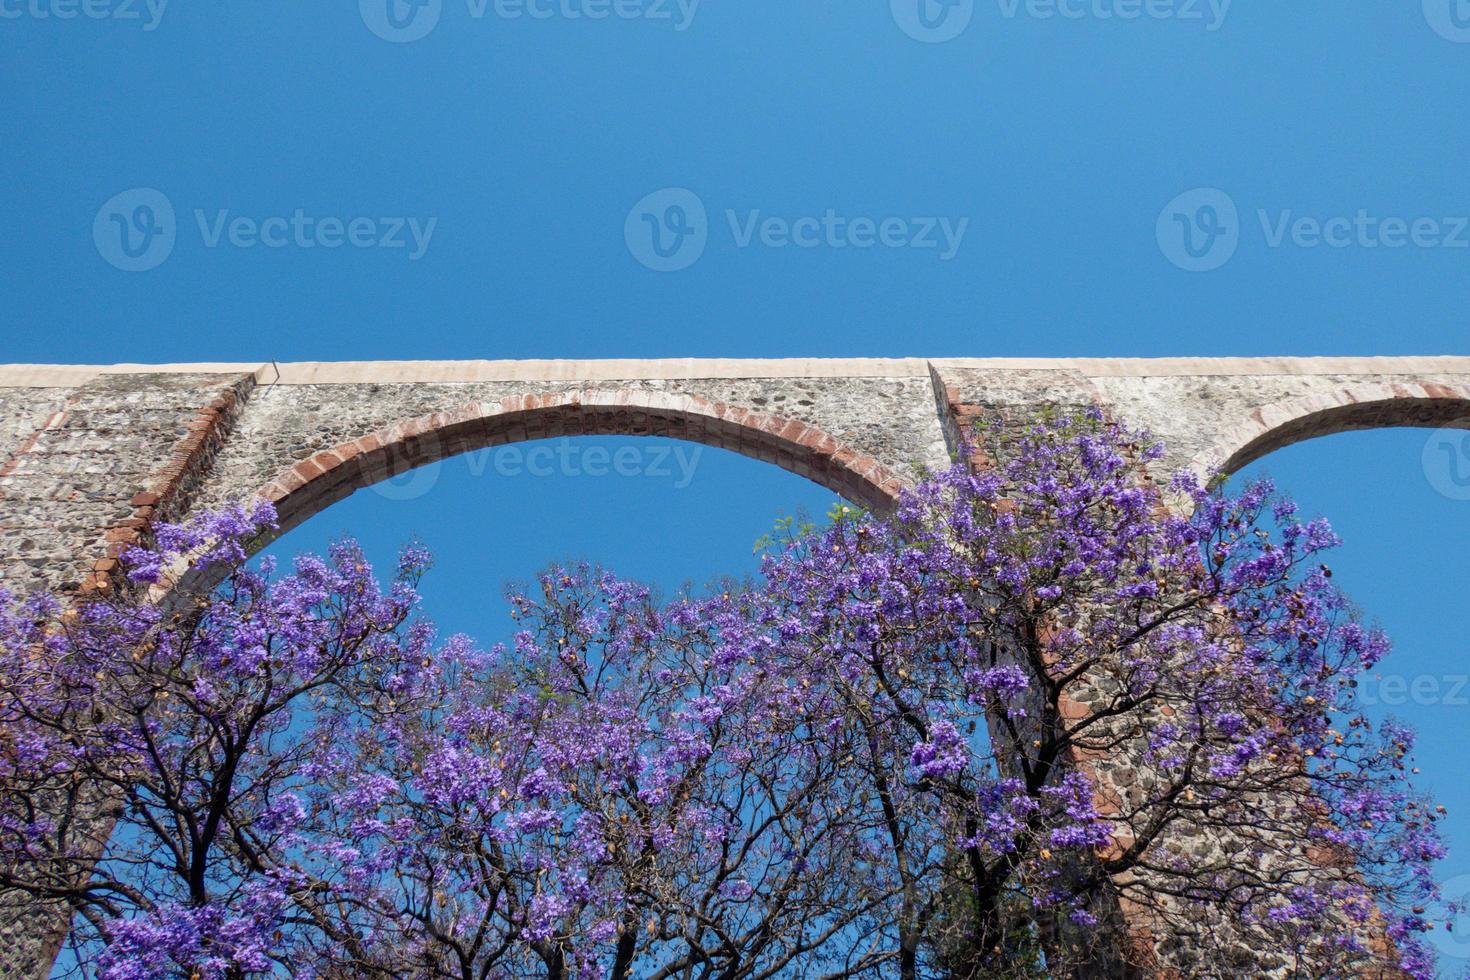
{"x": 331, "y": 475}
{"x": 1369, "y": 406}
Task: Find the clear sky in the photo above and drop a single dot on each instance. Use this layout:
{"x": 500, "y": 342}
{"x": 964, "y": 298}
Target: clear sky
{"x": 276, "y": 179}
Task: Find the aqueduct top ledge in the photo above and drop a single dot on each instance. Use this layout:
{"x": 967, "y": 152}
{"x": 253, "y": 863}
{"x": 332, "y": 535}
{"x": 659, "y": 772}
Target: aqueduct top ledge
{"x": 90, "y": 456}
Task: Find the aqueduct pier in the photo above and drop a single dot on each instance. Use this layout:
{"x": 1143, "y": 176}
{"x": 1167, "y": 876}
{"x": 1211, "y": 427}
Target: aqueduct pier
{"x": 92, "y": 456}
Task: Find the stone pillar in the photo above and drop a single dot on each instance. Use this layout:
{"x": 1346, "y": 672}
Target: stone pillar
{"x": 86, "y": 471}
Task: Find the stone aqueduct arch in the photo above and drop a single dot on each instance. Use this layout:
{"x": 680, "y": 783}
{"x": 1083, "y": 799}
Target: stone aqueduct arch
{"x": 92, "y": 457}
{"x": 1362, "y": 406}
{"x": 331, "y": 474}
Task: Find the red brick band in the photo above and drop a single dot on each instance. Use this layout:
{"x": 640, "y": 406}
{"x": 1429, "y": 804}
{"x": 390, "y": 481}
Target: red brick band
{"x": 330, "y": 475}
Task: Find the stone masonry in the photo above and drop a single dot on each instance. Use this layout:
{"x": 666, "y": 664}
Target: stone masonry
{"x": 91, "y": 457}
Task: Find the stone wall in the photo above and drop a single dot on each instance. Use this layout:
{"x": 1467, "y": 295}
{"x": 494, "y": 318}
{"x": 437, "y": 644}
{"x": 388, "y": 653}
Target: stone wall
{"x": 91, "y": 457}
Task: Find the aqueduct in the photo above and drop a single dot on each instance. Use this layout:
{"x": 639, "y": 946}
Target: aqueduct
{"x": 91, "y": 457}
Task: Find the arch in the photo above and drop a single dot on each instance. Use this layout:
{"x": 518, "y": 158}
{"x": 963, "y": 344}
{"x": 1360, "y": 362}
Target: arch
{"x": 1369, "y": 406}
{"x": 315, "y": 483}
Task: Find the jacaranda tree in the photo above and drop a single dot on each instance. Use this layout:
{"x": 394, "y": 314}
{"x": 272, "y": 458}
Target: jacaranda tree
{"x": 1043, "y": 721}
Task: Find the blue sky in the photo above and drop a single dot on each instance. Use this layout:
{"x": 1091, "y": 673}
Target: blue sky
{"x": 1313, "y": 152}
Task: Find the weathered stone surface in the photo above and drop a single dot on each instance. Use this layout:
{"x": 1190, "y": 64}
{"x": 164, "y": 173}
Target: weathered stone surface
{"x": 72, "y": 459}
{"x": 90, "y": 457}
{"x": 892, "y": 420}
